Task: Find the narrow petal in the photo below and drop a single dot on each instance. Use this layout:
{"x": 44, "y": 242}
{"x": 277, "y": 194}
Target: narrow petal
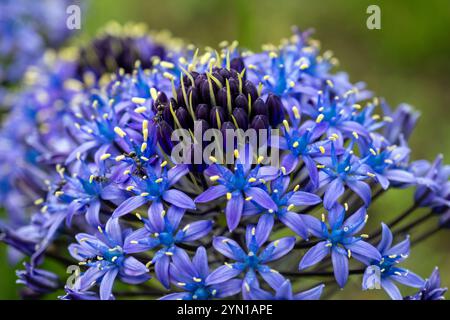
{"x": 233, "y": 210}
{"x": 114, "y": 231}
{"x": 222, "y": 274}
{"x": 179, "y": 199}
{"x": 228, "y": 248}
{"x": 228, "y": 288}
{"x": 134, "y": 267}
{"x": 340, "y": 267}
{"x": 314, "y": 255}
{"x": 409, "y": 279}
{"x": 277, "y": 249}
{"x": 263, "y": 228}
{"x": 212, "y": 193}
{"x": 295, "y": 222}
{"x": 311, "y": 294}
{"x": 155, "y": 216}
{"x": 162, "y": 271}
{"x": 261, "y": 197}
{"x": 200, "y": 262}
{"x": 301, "y": 198}
{"x": 391, "y": 289}
{"x": 176, "y": 173}
{"x": 196, "y": 230}
{"x": 334, "y": 190}
{"x": 107, "y": 284}
{"x": 129, "y": 205}
{"x": 364, "y": 249}
{"x": 362, "y": 189}
{"x": 386, "y": 239}
{"x": 92, "y": 214}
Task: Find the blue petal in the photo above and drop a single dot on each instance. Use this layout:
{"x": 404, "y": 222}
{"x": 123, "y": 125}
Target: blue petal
{"x": 175, "y": 296}
{"x": 114, "y": 231}
{"x": 228, "y": 248}
{"x": 364, "y": 249}
{"x": 400, "y": 176}
{"x": 386, "y": 239}
{"x": 362, "y": 189}
{"x": 174, "y": 216}
{"x": 179, "y": 199}
{"x": 107, "y": 283}
{"x": 176, "y": 173}
{"x": 273, "y": 278}
{"x": 401, "y": 248}
{"x": 129, "y": 205}
{"x": 228, "y": 288}
{"x": 314, "y": 255}
{"x": 263, "y": 228}
{"x": 181, "y": 260}
{"x": 233, "y": 210}
{"x": 409, "y": 279}
{"x": 212, "y": 193}
{"x": 133, "y": 267}
{"x": 222, "y": 274}
{"x": 311, "y": 294}
{"x": 301, "y": 198}
{"x": 155, "y": 216}
{"x": 277, "y": 249}
{"x": 261, "y": 197}
{"x": 92, "y": 214}
{"x": 284, "y": 292}
{"x": 200, "y": 262}
{"x": 295, "y": 222}
{"x": 334, "y": 190}
{"x": 289, "y": 162}
{"x": 391, "y": 289}
{"x": 340, "y": 267}
{"x": 162, "y": 271}
{"x": 197, "y": 230}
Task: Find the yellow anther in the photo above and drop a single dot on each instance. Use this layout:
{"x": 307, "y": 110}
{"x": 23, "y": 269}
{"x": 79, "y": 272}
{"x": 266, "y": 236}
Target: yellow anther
{"x": 296, "y": 112}
{"x": 169, "y": 76}
{"x": 320, "y": 118}
{"x": 248, "y": 198}
{"x": 212, "y": 159}
{"x": 138, "y": 100}
{"x": 320, "y": 166}
{"x": 370, "y": 174}
{"x": 330, "y": 83}
{"x": 126, "y": 172}
{"x": 138, "y": 216}
{"x": 144, "y": 194}
{"x": 119, "y": 132}
{"x": 153, "y": 93}
{"x": 346, "y": 206}
{"x": 276, "y": 243}
{"x": 283, "y": 170}
{"x": 100, "y": 229}
{"x": 290, "y": 207}
{"x": 236, "y": 153}
{"x": 140, "y": 109}
{"x": 251, "y": 180}
{"x": 134, "y": 242}
{"x": 163, "y": 164}
{"x": 38, "y": 201}
{"x": 181, "y": 284}
{"x": 159, "y": 180}
{"x": 296, "y": 188}
{"x": 214, "y": 178}
{"x": 295, "y": 144}
{"x": 357, "y": 106}
{"x": 364, "y": 236}
{"x": 260, "y": 159}
{"x": 322, "y": 149}
{"x": 286, "y": 125}
{"x": 129, "y": 188}
{"x": 163, "y": 213}
{"x": 167, "y": 64}
{"x": 105, "y": 156}
{"x": 349, "y": 253}
{"x": 143, "y": 146}
{"x": 59, "y": 193}
{"x": 229, "y": 195}
{"x": 355, "y": 134}
{"x": 120, "y": 158}
{"x": 323, "y": 217}
{"x": 372, "y": 151}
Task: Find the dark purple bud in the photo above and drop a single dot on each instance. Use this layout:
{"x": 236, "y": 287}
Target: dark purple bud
{"x": 202, "y": 112}
{"x": 192, "y": 96}
{"x": 180, "y": 98}
{"x": 217, "y": 75}
{"x": 237, "y": 64}
{"x": 199, "y": 80}
{"x": 225, "y": 73}
{"x": 162, "y": 98}
{"x": 234, "y": 86}
{"x": 167, "y": 115}
{"x": 217, "y": 114}
{"x": 241, "y": 101}
{"x": 250, "y": 89}
{"x": 241, "y": 118}
{"x": 184, "y": 118}
{"x": 227, "y": 125}
{"x": 260, "y": 122}
{"x": 205, "y": 92}
{"x": 164, "y": 134}
{"x": 222, "y": 97}
{"x": 260, "y": 107}
{"x": 276, "y": 110}
{"x": 39, "y": 281}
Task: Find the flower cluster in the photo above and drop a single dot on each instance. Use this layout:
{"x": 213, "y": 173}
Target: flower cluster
{"x": 87, "y": 170}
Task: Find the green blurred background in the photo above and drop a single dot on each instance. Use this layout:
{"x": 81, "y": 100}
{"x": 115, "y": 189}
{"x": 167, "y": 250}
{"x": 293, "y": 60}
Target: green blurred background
{"x": 408, "y": 60}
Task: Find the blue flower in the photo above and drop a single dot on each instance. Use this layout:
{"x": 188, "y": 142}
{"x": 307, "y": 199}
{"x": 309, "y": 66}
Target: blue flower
{"x": 106, "y": 258}
{"x": 346, "y": 169}
{"x": 284, "y": 292}
{"x": 196, "y": 280}
{"x": 244, "y": 184}
{"x": 386, "y": 266}
{"x": 431, "y": 290}
{"x": 285, "y": 201}
{"x": 256, "y": 258}
{"x": 163, "y": 230}
{"x": 37, "y": 280}
{"x": 155, "y": 186}
{"x": 339, "y": 239}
